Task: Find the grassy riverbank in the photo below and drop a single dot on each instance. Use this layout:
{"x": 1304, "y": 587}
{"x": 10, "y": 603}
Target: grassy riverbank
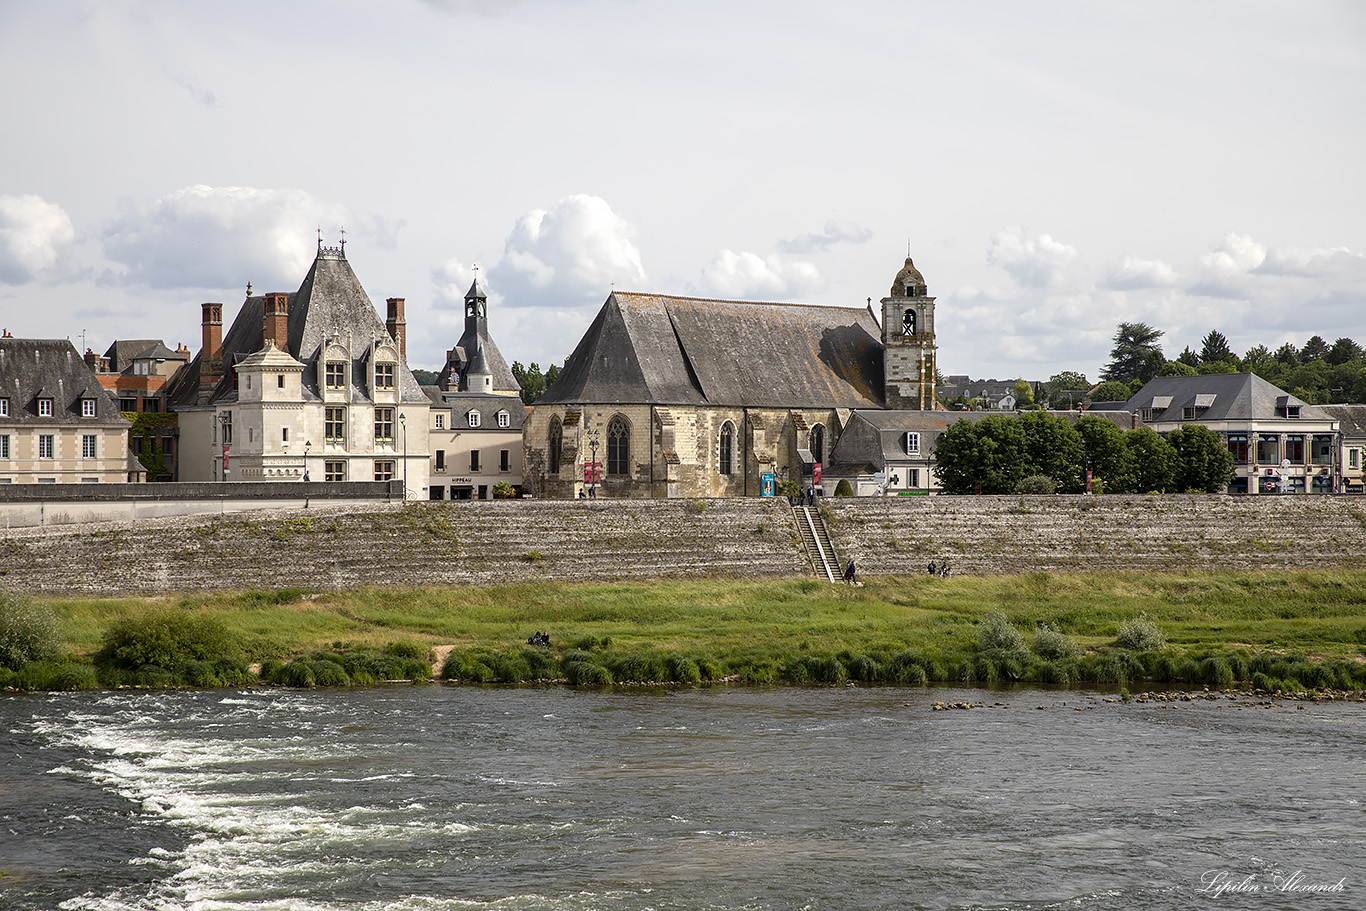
{"x": 1218, "y": 628}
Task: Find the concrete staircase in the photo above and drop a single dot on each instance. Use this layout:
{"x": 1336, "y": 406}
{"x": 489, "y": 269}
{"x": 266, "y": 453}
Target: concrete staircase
{"x": 816, "y": 539}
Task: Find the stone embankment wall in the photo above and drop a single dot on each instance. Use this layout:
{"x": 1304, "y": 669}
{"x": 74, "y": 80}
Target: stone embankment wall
{"x": 420, "y": 544}
{"x": 485, "y": 543}
{"x": 1011, "y": 534}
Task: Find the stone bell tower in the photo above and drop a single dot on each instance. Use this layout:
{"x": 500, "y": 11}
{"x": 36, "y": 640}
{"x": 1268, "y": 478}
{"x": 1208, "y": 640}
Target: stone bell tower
{"x": 908, "y": 357}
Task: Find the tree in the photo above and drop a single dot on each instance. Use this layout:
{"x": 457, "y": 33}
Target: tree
{"x": 1135, "y": 355}
{"x": 1343, "y": 350}
{"x": 1059, "y": 384}
{"x": 1111, "y": 391}
{"x": 983, "y": 457}
{"x": 425, "y": 377}
{"x": 1054, "y": 448}
{"x": 1258, "y": 356}
{"x": 1187, "y": 357}
{"x": 1151, "y": 462}
{"x": 1203, "y": 462}
{"x": 1214, "y": 348}
{"x": 1288, "y": 355}
{"x": 1024, "y": 395}
{"x": 1316, "y": 349}
{"x": 1177, "y": 368}
{"x": 1103, "y": 450}
{"x": 530, "y": 379}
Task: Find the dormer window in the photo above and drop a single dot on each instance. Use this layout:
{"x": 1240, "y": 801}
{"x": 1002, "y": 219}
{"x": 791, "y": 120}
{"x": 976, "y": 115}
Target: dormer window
{"x": 45, "y": 408}
{"x": 504, "y": 419}
{"x": 335, "y": 375}
{"x": 472, "y": 419}
{"x": 911, "y": 442}
{"x": 4, "y": 408}
{"x": 384, "y": 376}
{"x": 87, "y": 408}
{"x": 1292, "y": 411}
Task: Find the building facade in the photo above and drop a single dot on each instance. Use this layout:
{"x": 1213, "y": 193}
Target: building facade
{"x": 477, "y": 415}
{"x": 304, "y": 385}
{"x": 57, "y": 423}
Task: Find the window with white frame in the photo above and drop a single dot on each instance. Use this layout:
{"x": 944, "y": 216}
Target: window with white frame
{"x": 1354, "y": 458}
{"x": 4, "y": 408}
{"x": 911, "y": 442}
{"x": 45, "y": 445}
{"x": 45, "y": 408}
{"x": 504, "y": 419}
{"x": 335, "y": 375}
{"x": 89, "y": 446}
{"x": 472, "y": 418}
{"x": 87, "y": 408}
{"x": 440, "y": 421}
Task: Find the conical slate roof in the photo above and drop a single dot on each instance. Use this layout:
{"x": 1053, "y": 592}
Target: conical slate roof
{"x": 648, "y": 348}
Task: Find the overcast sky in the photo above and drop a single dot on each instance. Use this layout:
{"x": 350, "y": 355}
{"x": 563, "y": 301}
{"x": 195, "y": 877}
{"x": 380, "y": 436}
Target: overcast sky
{"x": 1057, "y": 167}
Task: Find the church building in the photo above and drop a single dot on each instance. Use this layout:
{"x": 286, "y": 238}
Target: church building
{"x": 685, "y": 397}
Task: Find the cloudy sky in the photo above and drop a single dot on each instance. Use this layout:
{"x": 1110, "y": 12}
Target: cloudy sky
{"x": 1057, "y": 167}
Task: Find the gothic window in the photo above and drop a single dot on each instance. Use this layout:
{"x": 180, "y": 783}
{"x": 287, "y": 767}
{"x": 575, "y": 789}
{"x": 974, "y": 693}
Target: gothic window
{"x": 618, "y": 447}
{"x": 553, "y": 445}
{"x": 816, "y": 443}
{"x": 727, "y": 455}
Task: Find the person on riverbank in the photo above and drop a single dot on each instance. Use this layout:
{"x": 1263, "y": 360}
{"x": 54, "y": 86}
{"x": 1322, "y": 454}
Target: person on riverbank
{"x": 849, "y": 573}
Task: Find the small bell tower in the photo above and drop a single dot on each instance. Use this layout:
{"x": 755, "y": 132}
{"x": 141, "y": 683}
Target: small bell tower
{"x": 908, "y": 349}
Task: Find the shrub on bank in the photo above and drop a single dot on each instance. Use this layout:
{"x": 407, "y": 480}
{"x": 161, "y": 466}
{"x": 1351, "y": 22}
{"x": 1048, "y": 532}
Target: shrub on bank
{"x": 1049, "y": 642}
{"x": 997, "y": 632}
{"x": 28, "y": 630}
{"x": 1140, "y": 635}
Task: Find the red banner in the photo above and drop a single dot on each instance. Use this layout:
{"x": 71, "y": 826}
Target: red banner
{"x": 225, "y": 456}
{"x": 817, "y": 480}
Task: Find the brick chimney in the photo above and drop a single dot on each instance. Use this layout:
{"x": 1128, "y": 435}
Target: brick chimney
{"x": 396, "y": 325}
{"x": 276, "y": 319}
{"x": 92, "y": 360}
{"x": 211, "y": 350}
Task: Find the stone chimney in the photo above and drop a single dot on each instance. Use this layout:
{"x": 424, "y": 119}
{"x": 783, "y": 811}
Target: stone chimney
{"x": 275, "y": 317}
{"x": 397, "y": 326}
{"x": 211, "y": 350}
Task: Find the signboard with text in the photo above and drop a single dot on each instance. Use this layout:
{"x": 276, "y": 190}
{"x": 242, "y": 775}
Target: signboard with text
{"x": 767, "y": 486}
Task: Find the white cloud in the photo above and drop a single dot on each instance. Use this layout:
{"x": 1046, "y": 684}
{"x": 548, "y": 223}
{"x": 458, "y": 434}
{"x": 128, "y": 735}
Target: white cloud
{"x": 748, "y": 276}
{"x": 578, "y": 248}
{"x": 218, "y": 236}
{"x": 1034, "y": 262}
{"x": 1132, "y": 273}
{"x": 33, "y": 235}
{"x": 836, "y": 231}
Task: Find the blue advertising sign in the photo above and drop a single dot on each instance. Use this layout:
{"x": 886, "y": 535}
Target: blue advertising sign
{"x": 767, "y": 487}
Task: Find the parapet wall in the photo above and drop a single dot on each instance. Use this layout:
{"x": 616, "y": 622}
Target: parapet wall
{"x": 503, "y": 542}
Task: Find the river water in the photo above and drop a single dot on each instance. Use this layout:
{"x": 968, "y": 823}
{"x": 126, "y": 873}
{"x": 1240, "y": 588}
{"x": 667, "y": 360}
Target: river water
{"x": 439, "y": 798}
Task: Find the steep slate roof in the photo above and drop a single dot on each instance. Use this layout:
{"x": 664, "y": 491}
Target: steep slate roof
{"x": 329, "y": 303}
{"x": 648, "y": 348}
{"x": 52, "y": 368}
{"x": 1236, "y": 397}
{"x": 1351, "y": 419}
{"x": 122, "y": 352}
{"x": 488, "y": 406}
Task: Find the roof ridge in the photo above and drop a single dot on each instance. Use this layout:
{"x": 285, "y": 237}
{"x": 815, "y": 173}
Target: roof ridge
{"x": 721, "y": 300}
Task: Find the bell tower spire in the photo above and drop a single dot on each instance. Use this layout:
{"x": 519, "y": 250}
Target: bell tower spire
{"x": 908, "y": 347}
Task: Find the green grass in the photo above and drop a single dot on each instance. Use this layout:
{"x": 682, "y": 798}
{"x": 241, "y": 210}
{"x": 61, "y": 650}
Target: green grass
{"x": 788, "y": 630}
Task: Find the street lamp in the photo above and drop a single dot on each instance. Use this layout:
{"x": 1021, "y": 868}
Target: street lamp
{"x": 403, "y": 422}
{"x": 593, "y": 465}
{"x": 225, "y": 419}
{"x": 308, "y": 444}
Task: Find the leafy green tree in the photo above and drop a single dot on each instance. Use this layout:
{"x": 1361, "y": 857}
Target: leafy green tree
{"x": 1151, "y": 462}
{"x": 1136, "y": 354}
{"x": 1288, "y": 355}
{"x": 1214, "y": 347}
{"x": 1257, "y": 357}
{"x": 1208, "y": 368}
{"x": 1316, "y": 349}
{"x": 552, "y": 374}
{"x": 425, "y": 377}
{"x": 1024, "y": 395}
{"x": 1203, "y": 462}
{"x": 1343, "y": 351}
{"x": 1111, "y": 391}
{"x": 1068, "y": 381}
{"x": 983, "y": 457}
{"x": 1103, "y": 450}
{"x": 530, "y": 379}
{"x": 1177, "y": 368}
{"x": 1187, "y": 357}
{"x": 1053, "y": 448}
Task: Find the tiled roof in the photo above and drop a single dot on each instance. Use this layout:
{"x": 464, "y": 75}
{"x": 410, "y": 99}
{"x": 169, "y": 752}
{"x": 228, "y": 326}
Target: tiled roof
{"x": 52, "y": 368}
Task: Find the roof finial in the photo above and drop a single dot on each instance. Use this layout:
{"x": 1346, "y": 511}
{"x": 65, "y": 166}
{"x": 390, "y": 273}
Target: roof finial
{"x": 248, "y": 289}
{"x": 908, "y": 248}
{"x": 320, "y": 238}
{"x": 343, "y": 241}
